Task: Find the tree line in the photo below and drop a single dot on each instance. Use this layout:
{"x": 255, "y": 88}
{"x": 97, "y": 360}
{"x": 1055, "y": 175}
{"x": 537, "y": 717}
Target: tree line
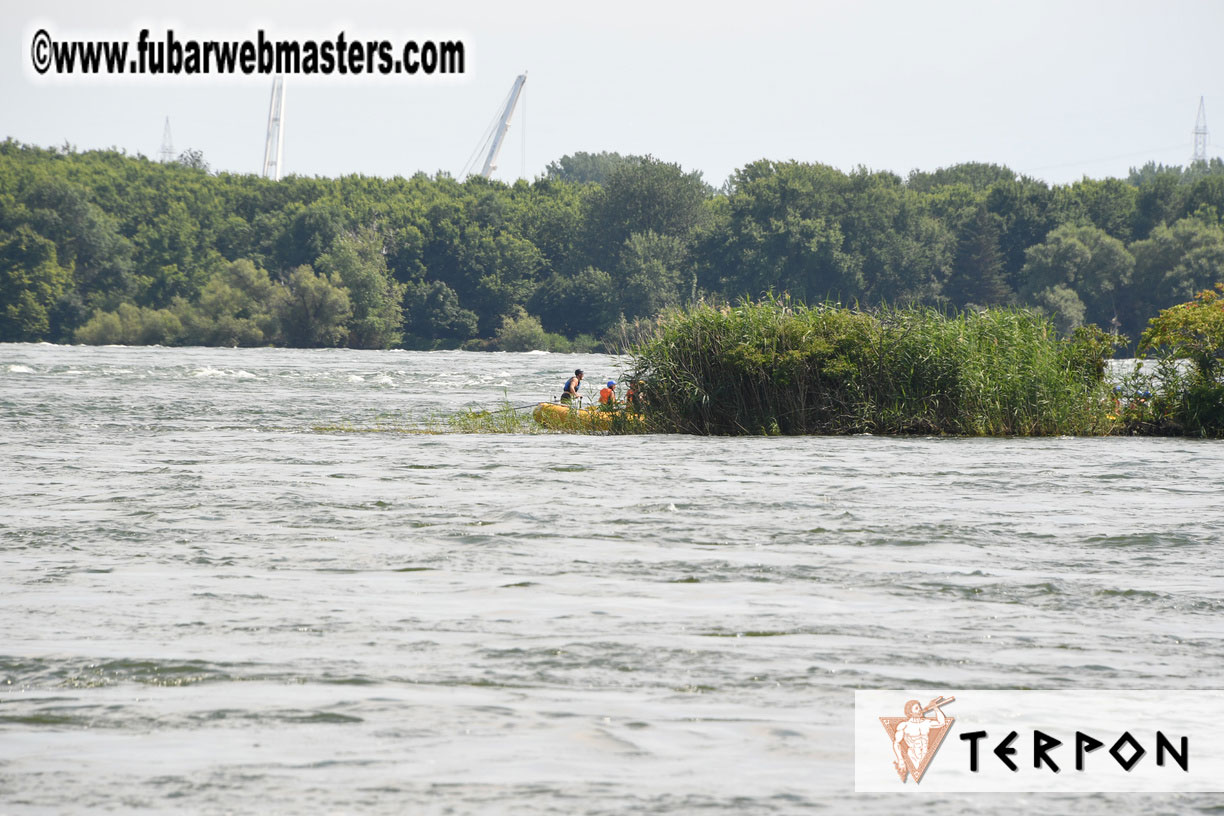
{"x": 103, "y": 247}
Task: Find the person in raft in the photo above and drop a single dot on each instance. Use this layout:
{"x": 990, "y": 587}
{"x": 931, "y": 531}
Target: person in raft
{"x": 633, "y": 397}
{"x": 570, "y": 392}
{"x": 607, "y": 394}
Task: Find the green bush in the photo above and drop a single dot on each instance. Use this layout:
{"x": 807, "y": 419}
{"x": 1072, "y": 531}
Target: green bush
{"x": 131, "y": 326}
{"x": 521, "y": 332}
{"x": 1188, "y": 342}
{"x": 777, "y": 367}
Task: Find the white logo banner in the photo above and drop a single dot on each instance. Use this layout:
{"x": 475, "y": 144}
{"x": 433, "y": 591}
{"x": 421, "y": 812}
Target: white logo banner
{"x": 947, "y": 740}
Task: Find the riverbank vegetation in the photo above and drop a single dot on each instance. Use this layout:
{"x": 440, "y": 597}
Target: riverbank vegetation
{"x": 778, "y": 367}
{"x": 1178, "y": 388}
{"x": 103, "y": 247}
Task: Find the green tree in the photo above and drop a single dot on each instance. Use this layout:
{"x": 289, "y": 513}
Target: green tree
{"x": 500, "y": 271}
{"x": 585, "y": 303}
{"x": 1193, "y": 399}
{"x": 1195, "y": 171}
{"x": 234, "y": 309}
{"x": 1108, "y": 204}
{"x": 31, "y": 282}
{"x": 645, "y": 196}
{"x": 1160, "y": 197}
{"x": 87, "y": 239}
{"x": 521, "y": 332}
{"x": 1084, "y": 260}
{"x": 193, "y": 159}
{"x": 311, "y": 231}
{"x": 587, "y": 168}
{"x": 977, "y": 270}
{"x": 977, "y": 176}
{"x": 550, "y": 216}
{"x": 1026, "y": 216}
{"x": 1172, "y": 264}
{"x": 313, "y": 310}
{"x": 167, "y": 247}
{"x": 1152, "y": 171}
{"x": 1193, "y": 331}
{"x": 357, "y": 260}
{"x": 904, "y": 252}
{"x": 784, "y": 234}
{"x": 1063, "y": 304}
{"x": 432, "y": 312}
{"x": 1206, "y": 196}
{"x": 652, "y": 274}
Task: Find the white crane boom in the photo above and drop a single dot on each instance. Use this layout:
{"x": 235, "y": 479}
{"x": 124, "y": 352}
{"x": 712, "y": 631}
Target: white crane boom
{"x": 274, "y": 143}
{"x": 503, "y": 125}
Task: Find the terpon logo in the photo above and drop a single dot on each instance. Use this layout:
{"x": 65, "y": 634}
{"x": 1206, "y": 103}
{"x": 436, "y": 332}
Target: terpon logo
{"x": 916, "y": 737}
{"x": 1031, "y": 741}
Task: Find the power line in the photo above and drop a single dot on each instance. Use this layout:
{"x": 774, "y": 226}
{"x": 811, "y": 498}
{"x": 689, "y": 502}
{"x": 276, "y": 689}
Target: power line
{"x": 1100, "y": 159}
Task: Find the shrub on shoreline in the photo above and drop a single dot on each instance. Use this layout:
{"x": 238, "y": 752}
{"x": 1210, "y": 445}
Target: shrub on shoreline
{"x": 1182, "y": 394}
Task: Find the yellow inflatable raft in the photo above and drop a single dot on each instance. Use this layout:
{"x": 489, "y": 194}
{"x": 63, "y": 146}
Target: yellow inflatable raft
{"x": 565, "y": 416}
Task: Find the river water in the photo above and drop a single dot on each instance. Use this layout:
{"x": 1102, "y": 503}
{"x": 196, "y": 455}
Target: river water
{"x": 228, "y": 587}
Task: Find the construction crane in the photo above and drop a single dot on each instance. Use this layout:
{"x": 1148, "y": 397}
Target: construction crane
{"x": 491, "y": 143}
{"x": 274, "y": 143}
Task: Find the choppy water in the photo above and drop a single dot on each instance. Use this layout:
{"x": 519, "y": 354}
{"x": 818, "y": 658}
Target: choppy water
{"x": 208, "y": 606}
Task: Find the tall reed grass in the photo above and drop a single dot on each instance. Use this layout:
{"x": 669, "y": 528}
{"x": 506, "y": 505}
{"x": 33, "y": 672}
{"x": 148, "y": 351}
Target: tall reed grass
{"x": 776, "y": 368}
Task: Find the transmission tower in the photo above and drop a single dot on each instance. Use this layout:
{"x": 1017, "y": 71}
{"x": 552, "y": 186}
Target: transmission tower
{"x": 166, "y": 154}
{"x": 1200, "y": 134}
{"x": 275, "y": 142}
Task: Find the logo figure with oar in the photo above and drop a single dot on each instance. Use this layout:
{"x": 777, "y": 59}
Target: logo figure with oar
{"x": 916, "y": 737}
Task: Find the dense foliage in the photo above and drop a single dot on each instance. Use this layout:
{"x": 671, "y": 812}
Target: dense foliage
{"x": 1183, "y": 393}
{"x": 774, "y": 367}
{"x": 101, "y": 247}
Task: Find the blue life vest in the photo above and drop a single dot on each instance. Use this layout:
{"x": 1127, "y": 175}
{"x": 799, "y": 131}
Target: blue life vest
{"x": 565, "y": 388}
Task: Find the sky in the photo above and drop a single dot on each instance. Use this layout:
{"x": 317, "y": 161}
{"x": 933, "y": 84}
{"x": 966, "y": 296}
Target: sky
{"x": 1055, "y": 90}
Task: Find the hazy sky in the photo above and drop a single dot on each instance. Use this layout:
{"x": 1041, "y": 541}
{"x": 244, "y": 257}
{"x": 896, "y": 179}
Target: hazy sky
{"x": 1057, "y": 90}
